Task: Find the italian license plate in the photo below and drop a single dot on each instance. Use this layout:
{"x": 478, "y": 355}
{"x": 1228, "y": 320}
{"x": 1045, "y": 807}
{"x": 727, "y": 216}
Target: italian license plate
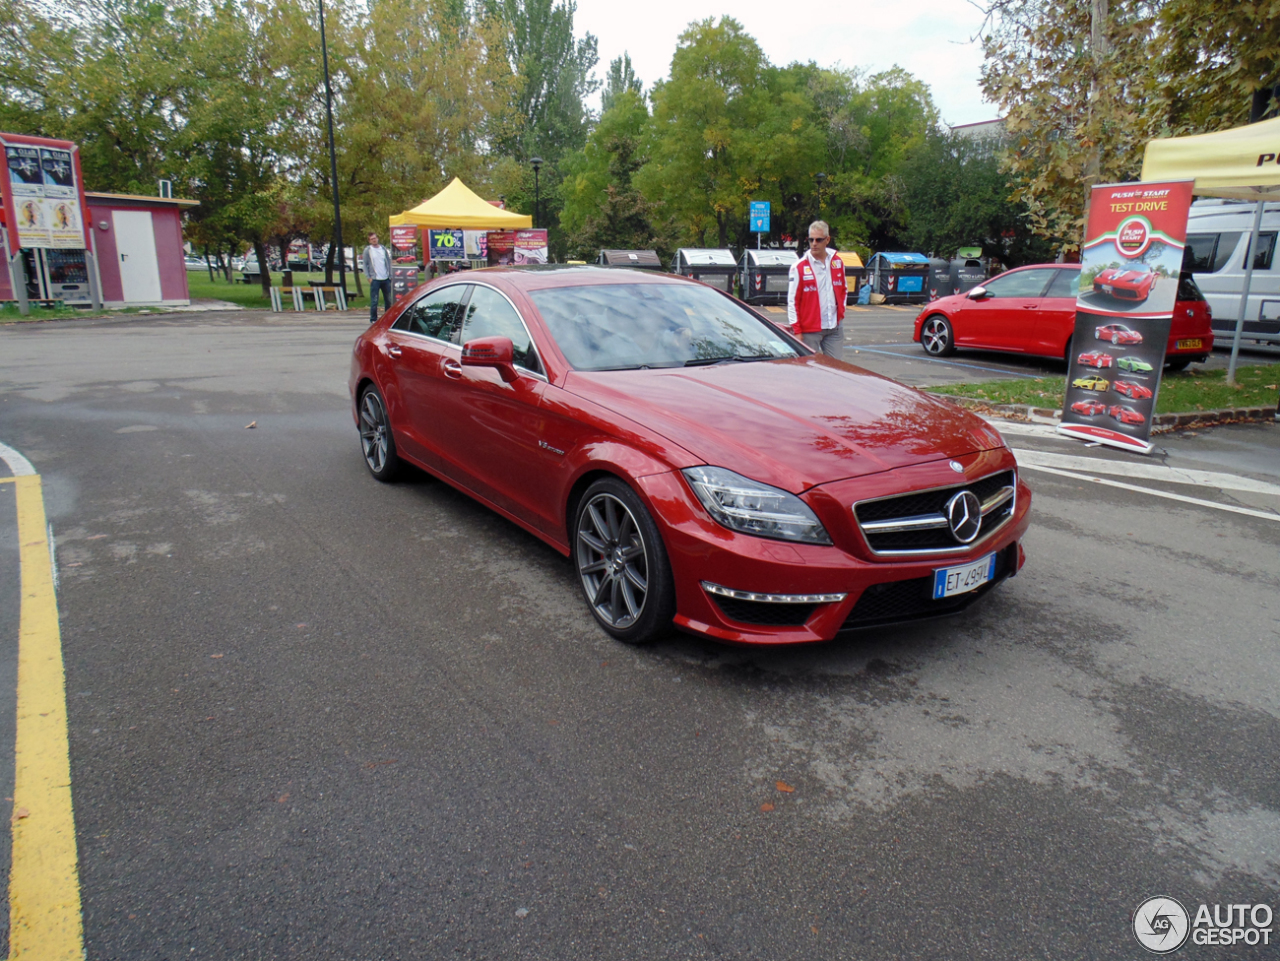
{"x": 1195, "y": 344}
{"x": 949, "y": 581}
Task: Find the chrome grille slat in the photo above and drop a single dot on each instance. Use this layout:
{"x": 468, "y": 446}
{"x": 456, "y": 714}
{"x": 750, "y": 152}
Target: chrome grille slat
{"x": 915, "y": 524}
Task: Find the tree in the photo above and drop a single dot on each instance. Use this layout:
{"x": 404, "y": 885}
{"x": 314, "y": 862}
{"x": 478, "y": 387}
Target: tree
{"x": 622, "y": 79}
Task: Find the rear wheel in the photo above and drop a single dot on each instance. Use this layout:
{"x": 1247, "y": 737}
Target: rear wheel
{"x": 376, "y": 442}
{"x": 936, "y": 336}
{"x": 622, "y": 563}
{"x": 1066, "y": 353}
{"x": 1176, "y": 364}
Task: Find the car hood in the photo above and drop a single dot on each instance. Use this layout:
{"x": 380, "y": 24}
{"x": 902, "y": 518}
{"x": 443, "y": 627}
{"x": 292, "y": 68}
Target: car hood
{"x": 790, "y": 423}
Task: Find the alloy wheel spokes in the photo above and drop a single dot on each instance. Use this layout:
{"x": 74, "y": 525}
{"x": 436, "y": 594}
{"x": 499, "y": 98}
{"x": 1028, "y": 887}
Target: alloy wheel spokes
{"x": 612, "y": 561}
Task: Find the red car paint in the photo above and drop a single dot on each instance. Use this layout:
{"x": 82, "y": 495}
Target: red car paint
{"x": 1117, "y": 334}
{"x": 1042, "y": 323}
{"x": 1127, "y": 415}
{"x": 828, "y": 432}
{"x": 1095, "y": 359}
{"x": 1089, "y": 407}
{"x": 1126, "y": 283}
{"x": 1134, "y": 391}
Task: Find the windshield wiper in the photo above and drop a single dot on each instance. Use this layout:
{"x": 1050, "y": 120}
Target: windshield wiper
{"x": 704, "y": 361}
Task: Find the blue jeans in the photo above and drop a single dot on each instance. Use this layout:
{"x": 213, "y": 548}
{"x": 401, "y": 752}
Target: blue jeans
{"x": 374, "y": 287}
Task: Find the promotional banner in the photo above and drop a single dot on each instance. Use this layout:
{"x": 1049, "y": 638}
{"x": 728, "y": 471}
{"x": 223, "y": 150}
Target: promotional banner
{"x": 476, "y": 244}
{"x": 531, "y": 246}
{"x": 446, "y": 245}
{"x": 403, "y": 280}
{"x": 1129, "y": 269}
{"x": 404, "y": 236}
{"x": 42, "y": 193}
{"x": 502, "y": 247}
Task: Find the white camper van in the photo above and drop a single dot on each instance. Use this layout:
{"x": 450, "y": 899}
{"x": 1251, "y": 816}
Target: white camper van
{"x": 1217, "y": 238}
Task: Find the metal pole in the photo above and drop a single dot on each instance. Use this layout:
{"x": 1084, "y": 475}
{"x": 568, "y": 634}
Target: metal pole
{"x": 1250, "y": 256}
{"x": 333, "y": 160}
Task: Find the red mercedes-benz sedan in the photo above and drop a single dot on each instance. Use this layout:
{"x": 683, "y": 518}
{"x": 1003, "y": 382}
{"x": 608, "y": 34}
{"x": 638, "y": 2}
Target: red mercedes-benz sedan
{"x": 700, "y": 466}
{"x": 1032, "y": 310}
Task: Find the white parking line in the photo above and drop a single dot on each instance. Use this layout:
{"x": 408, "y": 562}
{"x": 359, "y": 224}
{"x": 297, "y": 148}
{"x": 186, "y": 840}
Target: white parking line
{"x": 18, "y": 465}
{"x": 1145, "y": 471}
{"x": 1265, "y": 515}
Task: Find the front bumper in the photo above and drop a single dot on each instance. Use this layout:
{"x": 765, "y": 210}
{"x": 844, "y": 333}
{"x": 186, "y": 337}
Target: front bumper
{"x": 719, "y": 574}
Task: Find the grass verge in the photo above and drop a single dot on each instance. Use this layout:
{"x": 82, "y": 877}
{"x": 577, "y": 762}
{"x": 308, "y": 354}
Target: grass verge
{"x": 250, "y": 295}
{"x": 1185, "y": 392}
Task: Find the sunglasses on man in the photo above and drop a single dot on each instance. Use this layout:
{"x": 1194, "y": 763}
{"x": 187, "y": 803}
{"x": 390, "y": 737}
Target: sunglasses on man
{"x": 818, "y": 240}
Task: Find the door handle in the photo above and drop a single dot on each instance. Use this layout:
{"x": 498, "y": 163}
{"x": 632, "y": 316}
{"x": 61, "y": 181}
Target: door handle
{"x": 452, "y": 369}
{"x": 1030, "y": 306}
{"x": 394, "y": 350}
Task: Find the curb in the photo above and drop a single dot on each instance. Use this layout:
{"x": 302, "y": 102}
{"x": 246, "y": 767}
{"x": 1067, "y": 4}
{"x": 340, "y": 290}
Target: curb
{"x": 1162, "y": 423}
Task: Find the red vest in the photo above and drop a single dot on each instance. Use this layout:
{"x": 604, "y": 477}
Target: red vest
{"x": 808, "y": 308}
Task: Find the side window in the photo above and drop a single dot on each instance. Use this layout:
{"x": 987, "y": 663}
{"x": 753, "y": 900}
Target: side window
{"x": 1066, "y": 284}
{"x": 1266, "y": 250}
{"x": 489, "y": 314}
{"x": 1197, "y": 256}
{"x": 439, "y": 314}
{"x": 1226, "y": 248}
{"x": 1024, "y": 283}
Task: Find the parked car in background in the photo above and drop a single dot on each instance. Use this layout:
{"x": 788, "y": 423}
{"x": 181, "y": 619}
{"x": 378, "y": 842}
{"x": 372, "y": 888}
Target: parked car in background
{"x": 1217, "y": 245}
{"x": 195, "y": 263}
{"x": 1032, "y": 310}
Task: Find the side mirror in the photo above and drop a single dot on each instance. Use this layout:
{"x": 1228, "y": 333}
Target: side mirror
{"x": 496, "y": 352}
{"x": 977, "y": 293}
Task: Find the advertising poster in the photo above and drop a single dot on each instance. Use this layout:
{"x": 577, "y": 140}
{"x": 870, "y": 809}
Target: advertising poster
{"x": 41, "y": 193}
{"x": 446, "y": 245}
{"x": 403, "y": 280}
{"x": 404, "y": 244}
{"x": 502, "y": 247}
{"x": 476, "y": 244}
{"x": 531, "y": 246}
{"x": 1129, "y": 269}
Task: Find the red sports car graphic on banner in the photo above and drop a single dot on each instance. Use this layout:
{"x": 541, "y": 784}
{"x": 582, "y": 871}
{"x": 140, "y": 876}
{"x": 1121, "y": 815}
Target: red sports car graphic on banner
{"x": 1118, "y": 334}
{"x": 1089, "y": 408}
{"x": 1127, "y": 415}
{"x": 1126, "y": 283}
{"x": 1095, "y": 359}
{"x": 1134, "y": 391}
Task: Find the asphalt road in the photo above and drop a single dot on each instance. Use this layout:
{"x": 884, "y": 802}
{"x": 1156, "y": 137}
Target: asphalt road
{"x": 316, "y": 716}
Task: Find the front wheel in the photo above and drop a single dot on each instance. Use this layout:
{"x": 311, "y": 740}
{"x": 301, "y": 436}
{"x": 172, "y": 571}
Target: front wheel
{"x": 936, "y": 336}
{"x": 376, "y": 442}
{"x": 622, "y": 563}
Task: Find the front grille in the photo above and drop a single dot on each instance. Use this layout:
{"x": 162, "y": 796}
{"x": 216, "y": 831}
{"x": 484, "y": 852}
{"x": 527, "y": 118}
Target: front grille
{"x": 917, "y": 523}
{"x": 912, "y": 600}
{"x": 762, "y": 612}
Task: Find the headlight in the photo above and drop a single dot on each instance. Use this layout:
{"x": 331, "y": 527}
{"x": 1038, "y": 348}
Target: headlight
{"x": 751, "y": 507}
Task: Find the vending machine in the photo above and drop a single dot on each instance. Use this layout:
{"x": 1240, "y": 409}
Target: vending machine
{"x": 57, "y": 274}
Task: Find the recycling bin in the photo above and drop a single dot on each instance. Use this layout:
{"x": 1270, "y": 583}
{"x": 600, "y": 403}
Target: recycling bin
{"x": 764, "y": 275}
{"x": 639, "y": 259}
{"x": 902, "y": 278}
{"x": 716, "y": 267}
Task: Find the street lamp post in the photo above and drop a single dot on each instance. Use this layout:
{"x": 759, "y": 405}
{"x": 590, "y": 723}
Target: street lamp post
{"x": 821, "y": 178}
{"x": 537, "y": 165}
{"x": 333, "y": 157}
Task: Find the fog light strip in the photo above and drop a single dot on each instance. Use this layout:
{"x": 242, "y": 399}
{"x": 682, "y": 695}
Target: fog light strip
{"x": 773, "y": 598}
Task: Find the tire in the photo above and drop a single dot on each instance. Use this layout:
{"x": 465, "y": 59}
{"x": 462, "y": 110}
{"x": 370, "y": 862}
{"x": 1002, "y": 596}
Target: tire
{"x": 1178, "y": 363}
{"x": 377, "y": 443}
{"x": 936, "y": 336}
{"x": 1115, "y": 339}
{"x": 622, "y": 564}
{"x": 1066, "y": 354}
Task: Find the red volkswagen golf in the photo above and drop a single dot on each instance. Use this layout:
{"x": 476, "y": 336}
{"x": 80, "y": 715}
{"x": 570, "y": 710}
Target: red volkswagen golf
{"x": 702, "y": 469}
{"x": 1032, "y": 310}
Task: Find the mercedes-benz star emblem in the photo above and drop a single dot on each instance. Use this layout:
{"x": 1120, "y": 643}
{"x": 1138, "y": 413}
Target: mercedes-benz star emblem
{"x": 957, "y": 467}
{"x": 964, "y": 514}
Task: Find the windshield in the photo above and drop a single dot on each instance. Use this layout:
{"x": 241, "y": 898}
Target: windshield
{"x": 622, "y": 326}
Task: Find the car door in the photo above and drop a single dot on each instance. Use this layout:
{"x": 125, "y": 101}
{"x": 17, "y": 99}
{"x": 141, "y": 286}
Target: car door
{"x": 1056, "y": 319}
{"x": 490, "y": 429}
{"x": 1008, "y": 312}
{"x": 416, "y": 346}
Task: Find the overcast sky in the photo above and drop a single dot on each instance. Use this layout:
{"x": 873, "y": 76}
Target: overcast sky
{"x": 929, "y": 38}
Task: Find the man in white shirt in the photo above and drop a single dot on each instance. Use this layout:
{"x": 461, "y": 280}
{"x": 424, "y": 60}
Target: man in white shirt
{"x": 816, "y": 294}
{"x": 377, "y": 268}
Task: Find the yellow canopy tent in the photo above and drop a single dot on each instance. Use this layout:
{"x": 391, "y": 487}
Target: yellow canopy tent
{"x": 1241, "y": 164}
{"x": 459, "y": 208}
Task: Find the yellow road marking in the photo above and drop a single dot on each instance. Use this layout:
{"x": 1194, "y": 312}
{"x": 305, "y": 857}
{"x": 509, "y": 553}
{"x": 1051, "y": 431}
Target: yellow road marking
{"x": 7, "y": 480}
{"x": 44, "y": 880}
